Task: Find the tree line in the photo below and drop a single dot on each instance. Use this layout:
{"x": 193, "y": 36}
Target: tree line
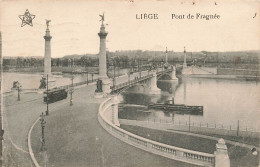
{"x": 134, "y": 58}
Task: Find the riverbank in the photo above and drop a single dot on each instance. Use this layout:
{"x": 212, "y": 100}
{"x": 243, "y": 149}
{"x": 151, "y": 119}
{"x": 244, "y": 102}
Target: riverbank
{"x": 239, "y": 156}
{"x": 216, "y": 76}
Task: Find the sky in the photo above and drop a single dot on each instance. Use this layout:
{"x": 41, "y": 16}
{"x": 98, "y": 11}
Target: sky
{"x": 74, "y": 26}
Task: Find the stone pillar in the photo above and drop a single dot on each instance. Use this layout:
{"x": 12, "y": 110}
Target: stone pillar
{"x": 106, "y": 83}
{"x": 153, "y": 84}
{"x": 221, "y": 154}
{"x": 166, "y": 56}
{"x": 102, "y": 53}
{"x": 47, "y": 58}
{"x": 173, "y": 73}
{"x": 184, "y": 63}
{"x": 115, "y": 111}
{"x": 47, "y": 53}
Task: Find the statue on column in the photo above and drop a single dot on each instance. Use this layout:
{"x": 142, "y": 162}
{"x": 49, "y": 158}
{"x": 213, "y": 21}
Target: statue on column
{"x": 47, "y": 23}
{"x": 102, "y": 18}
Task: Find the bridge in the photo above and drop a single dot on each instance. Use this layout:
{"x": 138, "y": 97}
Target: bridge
{"x": 149, "y": 78}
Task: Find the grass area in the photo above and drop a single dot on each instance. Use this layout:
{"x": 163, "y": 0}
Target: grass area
{"x": 239, "y": 156}
{"x": 174, "y": 139}
{"x": 245, "y": 140}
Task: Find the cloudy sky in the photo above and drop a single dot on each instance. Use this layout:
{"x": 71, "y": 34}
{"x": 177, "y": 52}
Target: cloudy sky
{"x": 75, "y": 24}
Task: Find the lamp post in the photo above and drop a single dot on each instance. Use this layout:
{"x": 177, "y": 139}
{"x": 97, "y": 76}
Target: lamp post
{"x": 139, "y": 69}
{"x": 87, "y": 77}
{"x": 114, "y": 75}
{"x": 19, "y": 86}
{"x": 128, "y": 74}
{"x": 47, "y": 99}
{"x": 42, "y": 126}
{"x": 189, "y": 122}
{"x": 71, "y": 89}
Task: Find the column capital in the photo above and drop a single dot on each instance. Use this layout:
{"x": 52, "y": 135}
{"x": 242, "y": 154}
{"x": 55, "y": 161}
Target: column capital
{"x": 47, "y": 38}
{"x": 102, "y": 35}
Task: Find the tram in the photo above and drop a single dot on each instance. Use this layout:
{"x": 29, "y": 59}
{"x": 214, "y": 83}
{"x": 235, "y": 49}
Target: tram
{"x": 55, "y": 94}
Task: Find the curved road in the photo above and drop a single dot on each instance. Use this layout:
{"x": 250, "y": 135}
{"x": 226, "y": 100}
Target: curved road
{"x": 74, "y": 138}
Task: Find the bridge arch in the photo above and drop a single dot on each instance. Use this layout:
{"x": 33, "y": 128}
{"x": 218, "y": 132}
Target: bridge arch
{"x": 164, "y": 76}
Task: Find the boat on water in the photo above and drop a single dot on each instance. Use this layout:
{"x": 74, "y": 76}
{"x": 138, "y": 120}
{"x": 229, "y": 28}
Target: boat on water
{"x": 181, "y": 108}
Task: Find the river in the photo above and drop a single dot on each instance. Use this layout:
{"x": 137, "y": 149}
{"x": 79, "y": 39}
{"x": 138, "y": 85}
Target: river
{"x": 32, "y": 80}
{"x": 226, "y": 102}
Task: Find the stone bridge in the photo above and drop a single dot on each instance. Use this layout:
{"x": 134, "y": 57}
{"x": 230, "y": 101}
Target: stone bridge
{"x": 149, "y": 79}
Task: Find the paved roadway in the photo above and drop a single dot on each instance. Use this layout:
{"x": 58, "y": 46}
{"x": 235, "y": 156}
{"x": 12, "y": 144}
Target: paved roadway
{"x": 75, "y": 138}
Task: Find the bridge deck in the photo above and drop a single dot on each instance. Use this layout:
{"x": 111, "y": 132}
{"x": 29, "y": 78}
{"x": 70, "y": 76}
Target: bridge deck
{"x": 125, "y": 81}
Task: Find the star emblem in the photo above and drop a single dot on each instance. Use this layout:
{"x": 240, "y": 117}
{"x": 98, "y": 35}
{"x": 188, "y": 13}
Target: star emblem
{"x": 26, "y": 18}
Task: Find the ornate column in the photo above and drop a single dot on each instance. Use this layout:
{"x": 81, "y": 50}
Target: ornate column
{"x": 47, "y": 60}
{"x": 106, "y": 83}
{"x": 47, "y": 51}
{"x": 102, "y": 53}
{"x": 166, "y": 56}
{"x": 184, "y": 63}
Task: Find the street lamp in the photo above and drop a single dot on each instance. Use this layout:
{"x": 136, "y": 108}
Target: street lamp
{"x": 128, "y": 74}
{"x": 114, "y": 75}
{"x": 47, "y": 99}
{"x": 18, "y": 87}
{"x": 43, "y": 126}
{"x": 71, "y": 89}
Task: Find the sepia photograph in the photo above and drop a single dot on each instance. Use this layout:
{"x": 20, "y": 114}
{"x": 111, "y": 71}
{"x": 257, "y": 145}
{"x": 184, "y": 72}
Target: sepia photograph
{"x": 130, "y": 83}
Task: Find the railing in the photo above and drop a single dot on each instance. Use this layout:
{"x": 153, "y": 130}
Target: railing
{"x": 76, "y": 84}
{"x": 198, "y": 127}
{"x": 131, "y": 82}
{"x": 164, "y": 71}
{"x": 172, "y": 152}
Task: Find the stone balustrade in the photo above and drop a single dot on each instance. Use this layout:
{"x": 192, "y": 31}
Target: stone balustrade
{"x": 172, "y": 152}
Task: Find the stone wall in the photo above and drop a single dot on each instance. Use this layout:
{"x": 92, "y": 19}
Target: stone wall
{"x": 233, "y": 71}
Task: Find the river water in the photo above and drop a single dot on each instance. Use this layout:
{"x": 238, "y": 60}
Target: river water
{"x": 226, "y": 102}
{"x": 32, "y": 80}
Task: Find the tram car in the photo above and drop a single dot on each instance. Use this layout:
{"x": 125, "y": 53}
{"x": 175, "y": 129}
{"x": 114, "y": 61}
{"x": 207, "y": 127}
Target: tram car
{"x": 55, "y": 94}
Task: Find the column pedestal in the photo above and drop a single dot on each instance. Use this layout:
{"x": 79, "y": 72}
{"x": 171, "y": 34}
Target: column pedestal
{"x": 106, "y": 83}
{"x": 153, "y": 84}
{"x": 221, "y": 154}
{"x": 173, "y": 74}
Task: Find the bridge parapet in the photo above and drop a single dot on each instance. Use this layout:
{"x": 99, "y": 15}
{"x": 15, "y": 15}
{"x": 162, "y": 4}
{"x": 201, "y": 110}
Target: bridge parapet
{"x": 172, "y": 152}
{"x": 129, "y": 83}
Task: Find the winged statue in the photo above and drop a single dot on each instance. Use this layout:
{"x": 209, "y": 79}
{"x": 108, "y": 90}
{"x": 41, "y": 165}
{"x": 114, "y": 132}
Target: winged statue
{"x": 47, "y": 22}
{"x": 102, "y": 18}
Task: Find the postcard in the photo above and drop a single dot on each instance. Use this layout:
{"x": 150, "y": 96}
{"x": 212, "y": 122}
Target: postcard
{"x": 130, "y": 83}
